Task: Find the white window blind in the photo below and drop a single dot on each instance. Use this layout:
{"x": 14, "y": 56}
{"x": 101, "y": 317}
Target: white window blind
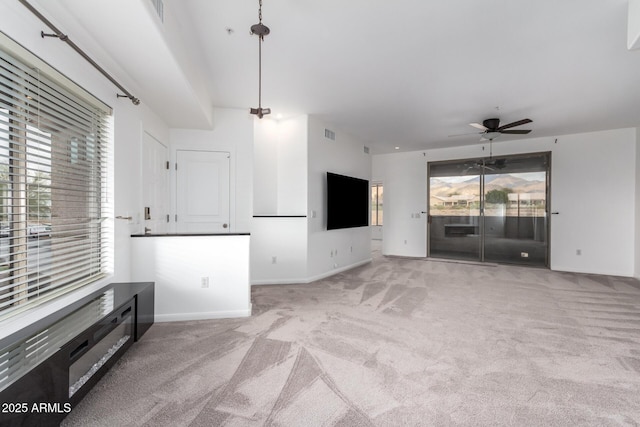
{"x": 53, "y": 184}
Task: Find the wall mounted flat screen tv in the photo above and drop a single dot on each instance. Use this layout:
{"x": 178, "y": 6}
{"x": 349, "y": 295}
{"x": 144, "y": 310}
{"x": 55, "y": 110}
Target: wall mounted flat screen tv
{"x": 347, "y": 202}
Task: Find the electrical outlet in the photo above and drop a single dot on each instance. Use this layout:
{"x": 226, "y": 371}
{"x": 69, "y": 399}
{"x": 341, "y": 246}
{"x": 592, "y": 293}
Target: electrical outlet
{"x": 524, "y": 254}
{"x": 204, "y": 282}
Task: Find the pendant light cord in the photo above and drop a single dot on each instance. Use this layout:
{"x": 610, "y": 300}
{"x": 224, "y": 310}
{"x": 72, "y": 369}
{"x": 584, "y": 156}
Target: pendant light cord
{"x": 260, "y": 72}
{"x": 260, "y": 40}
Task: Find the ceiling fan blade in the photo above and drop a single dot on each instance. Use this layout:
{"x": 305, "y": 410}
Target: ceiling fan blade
{"x": 518, "y": 123}
{"x": 516, "y": 131}
{"x": 478, "y": 126}
{"x": 464, "y": 134}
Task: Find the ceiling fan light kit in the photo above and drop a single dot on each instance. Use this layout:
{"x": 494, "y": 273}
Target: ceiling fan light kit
{"x": 260, "y": 30}
{"x": 490, "y": 136}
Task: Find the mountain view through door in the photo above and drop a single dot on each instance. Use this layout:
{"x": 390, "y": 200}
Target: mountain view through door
{"x": 490, "y": 210}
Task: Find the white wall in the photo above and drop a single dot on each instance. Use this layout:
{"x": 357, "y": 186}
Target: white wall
{"x": 279, "y": 250}
{"x": 333, "y": 250}
{"x": 404, "y": 177}
{"x": 376, "y": 232}
{"x": 278, "y": 240}
{"x": 265, "y": 167}
{"x": 593, "y": 189}
{"x": 280, "y": 166}
{"x": 592, "y": 186}
{"x": 178, "y": 265}
{"x": 292, "y": 166}
{"x": 187, "y": 51}
{"x": 232, "y": 133}
{"x": 292, "y": 158}
{"x": 637, "y": 251}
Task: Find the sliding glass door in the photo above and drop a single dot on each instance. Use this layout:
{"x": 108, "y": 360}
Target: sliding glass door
{"x": 490, "y": 209}
{"x": 515, "y": 210}
{"x": 454, "y": 210}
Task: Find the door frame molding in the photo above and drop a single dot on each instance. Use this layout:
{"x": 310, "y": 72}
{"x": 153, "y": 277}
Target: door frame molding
{"x": 138, "y": 217}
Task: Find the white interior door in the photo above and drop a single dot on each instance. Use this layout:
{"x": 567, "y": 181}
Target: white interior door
{"x": 155, "y": 184}
{"x": 202, "y": 191}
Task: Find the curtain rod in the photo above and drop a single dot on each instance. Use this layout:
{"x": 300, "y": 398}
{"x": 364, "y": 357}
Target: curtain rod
{"x": 65, "y": 38}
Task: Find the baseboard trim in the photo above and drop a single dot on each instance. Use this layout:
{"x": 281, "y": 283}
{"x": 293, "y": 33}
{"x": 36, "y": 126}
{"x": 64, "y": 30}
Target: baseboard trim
{"x": 338, "y": 270}
{"x": 279, "y": 282}
{"x": 305, "y": 280}
{"x": 180, "y": 317}
{"x": 562, "y": 269}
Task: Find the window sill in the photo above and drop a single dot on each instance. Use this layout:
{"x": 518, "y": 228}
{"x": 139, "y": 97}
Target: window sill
{"x": 25, "y": 324}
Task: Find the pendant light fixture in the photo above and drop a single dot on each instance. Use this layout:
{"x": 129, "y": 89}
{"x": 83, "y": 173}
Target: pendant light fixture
{"x": 260, "y": 30}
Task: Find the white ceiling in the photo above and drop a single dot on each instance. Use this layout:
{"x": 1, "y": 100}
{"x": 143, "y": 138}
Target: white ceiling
{"x": 405, "y": 73}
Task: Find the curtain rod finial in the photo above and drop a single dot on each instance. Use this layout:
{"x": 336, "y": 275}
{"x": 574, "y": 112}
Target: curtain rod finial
{"x": 133, "y": 99}
{"x": 60, "y": 36}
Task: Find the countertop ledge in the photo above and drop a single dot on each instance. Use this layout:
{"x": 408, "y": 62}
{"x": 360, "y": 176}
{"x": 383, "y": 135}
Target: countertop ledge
{"x": 188, "y": 234}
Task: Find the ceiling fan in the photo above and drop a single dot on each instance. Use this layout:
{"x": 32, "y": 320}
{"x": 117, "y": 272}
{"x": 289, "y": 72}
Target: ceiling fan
{"x": 491, "y": 128}
{"x": 489, "y": 163}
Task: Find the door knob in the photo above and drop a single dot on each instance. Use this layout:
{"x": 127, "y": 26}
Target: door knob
{"x": 225, "y": 225}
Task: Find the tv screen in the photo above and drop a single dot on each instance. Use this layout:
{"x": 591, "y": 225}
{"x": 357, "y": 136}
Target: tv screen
{"x": 347, "y": 202}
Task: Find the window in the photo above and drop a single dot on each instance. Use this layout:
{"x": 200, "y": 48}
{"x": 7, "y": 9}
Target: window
{"x": 376, "y": 204}
{"x": 53, "y": 183}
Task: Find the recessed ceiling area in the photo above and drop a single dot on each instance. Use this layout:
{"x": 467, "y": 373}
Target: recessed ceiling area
{"x": 403, "y": 73}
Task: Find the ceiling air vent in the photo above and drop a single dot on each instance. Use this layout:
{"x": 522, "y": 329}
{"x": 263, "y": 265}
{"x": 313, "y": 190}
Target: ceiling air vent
{"x": 159, "y": 7}
{"x": 329, "y": 134}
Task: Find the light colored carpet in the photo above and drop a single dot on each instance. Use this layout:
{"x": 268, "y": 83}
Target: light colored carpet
{"x": 396, "y": 342}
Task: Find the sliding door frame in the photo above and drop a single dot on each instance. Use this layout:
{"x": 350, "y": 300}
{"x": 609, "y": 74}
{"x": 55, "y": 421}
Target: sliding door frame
{"x": 481, "y": 223}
